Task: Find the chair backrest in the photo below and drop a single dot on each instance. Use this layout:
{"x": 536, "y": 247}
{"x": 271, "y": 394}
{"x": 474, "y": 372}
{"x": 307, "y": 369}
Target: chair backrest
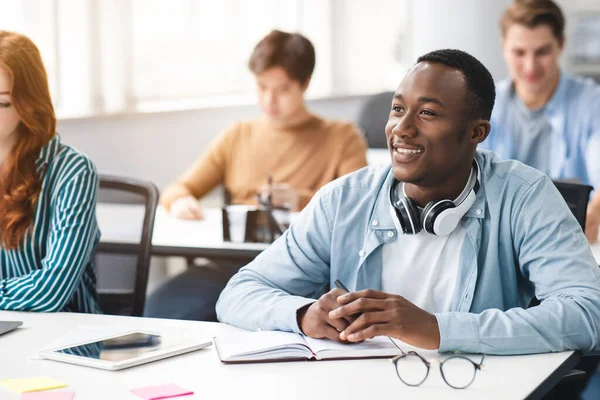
{"x": 577, "y": 197}
{"x": 112, "y": 265}
{"x": 372, "y": 118}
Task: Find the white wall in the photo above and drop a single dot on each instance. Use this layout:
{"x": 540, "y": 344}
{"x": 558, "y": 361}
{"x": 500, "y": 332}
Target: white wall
{"x": 159, "y": 146}
{"x": 468, "y": 25}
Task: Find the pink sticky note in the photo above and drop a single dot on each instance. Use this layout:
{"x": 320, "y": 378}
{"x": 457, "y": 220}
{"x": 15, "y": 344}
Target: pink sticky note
{"x": 48, "y": 396}
{"x": 161, "y": 392}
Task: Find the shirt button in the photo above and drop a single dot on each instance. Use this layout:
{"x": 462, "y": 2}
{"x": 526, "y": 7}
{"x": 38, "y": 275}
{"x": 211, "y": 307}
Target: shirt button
{"x": 374, "y": 223}
{"x": 361, "y": 253}
{"x": 390, "y": 233}
{"x": 478, "y": 212}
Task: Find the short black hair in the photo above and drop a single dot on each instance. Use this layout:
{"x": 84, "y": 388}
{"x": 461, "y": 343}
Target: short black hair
{"x": 481, "y": 91}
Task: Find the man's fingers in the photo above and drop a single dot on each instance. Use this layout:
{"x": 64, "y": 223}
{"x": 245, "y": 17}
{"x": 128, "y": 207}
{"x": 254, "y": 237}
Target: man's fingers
{"x": 192, "y": 213}
{"x": 365, "y": 320}
{"x": 331, "y": 333}
{"x": 277, "y": 200}
{"x": 187, "y": 214}
{"x": 197, "y": 211}
{"x": 367, "y": 293}
{"x": 358, "y": 306}
{"x": 367, "y": 333}
{"x": 339, "y": 323}
{"x": 263, "y": 192}
{"x": 328, "y": 301}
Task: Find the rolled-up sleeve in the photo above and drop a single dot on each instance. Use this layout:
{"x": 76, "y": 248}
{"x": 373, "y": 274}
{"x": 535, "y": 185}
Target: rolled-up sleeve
{"x": 555, "y": 256}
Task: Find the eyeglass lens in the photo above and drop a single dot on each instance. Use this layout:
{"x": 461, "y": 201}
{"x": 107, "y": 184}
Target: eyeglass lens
{"x": 411, "y": 370}
{"x": 458, "y": 372}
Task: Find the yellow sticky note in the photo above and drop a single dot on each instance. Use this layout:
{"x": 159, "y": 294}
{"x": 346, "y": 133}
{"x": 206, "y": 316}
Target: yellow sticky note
{"x": 34, "y": 384}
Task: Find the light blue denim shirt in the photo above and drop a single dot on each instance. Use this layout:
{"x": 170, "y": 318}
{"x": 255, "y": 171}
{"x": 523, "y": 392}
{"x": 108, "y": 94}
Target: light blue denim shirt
{"x": 573, "y": 113}
{"x": 522, "y": 240}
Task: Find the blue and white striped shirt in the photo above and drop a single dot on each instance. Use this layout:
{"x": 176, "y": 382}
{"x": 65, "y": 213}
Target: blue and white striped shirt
{"x": 52, "y": 268}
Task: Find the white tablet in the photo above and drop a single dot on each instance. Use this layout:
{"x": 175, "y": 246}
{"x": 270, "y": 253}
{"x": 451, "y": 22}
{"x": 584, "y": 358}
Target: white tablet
{"x": 123, "y": 350}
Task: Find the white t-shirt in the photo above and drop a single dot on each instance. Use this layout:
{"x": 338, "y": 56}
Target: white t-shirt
{"x": 422, "y": 268}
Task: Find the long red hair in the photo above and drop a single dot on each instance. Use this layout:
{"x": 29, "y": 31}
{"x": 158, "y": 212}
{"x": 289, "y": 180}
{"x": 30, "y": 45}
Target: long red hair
{"x": 20, "y": 184}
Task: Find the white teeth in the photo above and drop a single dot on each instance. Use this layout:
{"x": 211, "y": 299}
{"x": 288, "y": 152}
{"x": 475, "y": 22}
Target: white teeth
{"x": 408, "y": 151}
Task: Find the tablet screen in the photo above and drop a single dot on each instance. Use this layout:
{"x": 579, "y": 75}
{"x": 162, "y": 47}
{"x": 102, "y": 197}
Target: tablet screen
{"x": 117, "y": 348}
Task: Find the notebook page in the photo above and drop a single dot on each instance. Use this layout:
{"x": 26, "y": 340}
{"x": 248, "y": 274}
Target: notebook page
{"x": 377, "y": 347}
{"x": 236, "y": 345}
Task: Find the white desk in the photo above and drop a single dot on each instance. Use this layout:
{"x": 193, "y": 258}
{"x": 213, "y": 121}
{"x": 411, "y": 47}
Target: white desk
{"x": 120, "y": 225}
{"x": 502, "y": 378}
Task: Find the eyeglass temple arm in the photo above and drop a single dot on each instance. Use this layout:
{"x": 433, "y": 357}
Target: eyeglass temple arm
{"x": 480, "y": 364}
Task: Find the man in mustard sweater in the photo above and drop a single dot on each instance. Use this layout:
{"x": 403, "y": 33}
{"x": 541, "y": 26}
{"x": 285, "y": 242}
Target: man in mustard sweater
{"x": 299, "y": 150}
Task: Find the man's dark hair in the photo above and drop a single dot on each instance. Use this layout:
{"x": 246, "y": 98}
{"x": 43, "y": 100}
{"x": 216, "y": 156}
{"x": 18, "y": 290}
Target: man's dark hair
{"x": 481, "y": 91}
{"x": 291, "y": 51}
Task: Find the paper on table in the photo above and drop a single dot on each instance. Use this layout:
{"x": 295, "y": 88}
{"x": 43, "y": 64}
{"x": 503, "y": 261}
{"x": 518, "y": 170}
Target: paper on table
{"x": 377, "y": 343}
{"x": 237, "y": 343}
{"x": 34, "y": 384}
{"x": 161, "y": 392}
{"x": 62, "y": 395}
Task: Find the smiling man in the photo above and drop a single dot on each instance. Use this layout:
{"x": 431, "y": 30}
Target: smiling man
{"x": 444, "y": 249}
{"x": 543, "y": 116}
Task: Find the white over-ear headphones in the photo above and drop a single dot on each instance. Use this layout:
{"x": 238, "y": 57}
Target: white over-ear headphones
{"x": 438, "y": 217}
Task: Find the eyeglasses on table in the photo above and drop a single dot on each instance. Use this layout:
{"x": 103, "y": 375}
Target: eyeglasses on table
{"x": 458, "y": 371}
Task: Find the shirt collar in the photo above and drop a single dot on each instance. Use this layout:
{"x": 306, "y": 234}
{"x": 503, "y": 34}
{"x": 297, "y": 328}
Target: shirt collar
{"x": 381, "y": 218}
{"x": 478, "y": 209}
{"x": 48, "y": 152}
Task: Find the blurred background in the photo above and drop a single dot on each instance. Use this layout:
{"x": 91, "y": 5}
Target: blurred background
{"x": 142, "y": 86}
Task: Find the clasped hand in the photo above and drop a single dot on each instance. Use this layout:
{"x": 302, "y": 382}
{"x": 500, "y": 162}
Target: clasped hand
{"x": 357, "y": 316}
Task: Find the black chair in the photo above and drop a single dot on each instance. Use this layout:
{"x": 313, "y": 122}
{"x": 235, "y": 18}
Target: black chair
{"x": 372, "y": 118}
{"x": 577, "y": 197}
{"x": 122, "y": 270}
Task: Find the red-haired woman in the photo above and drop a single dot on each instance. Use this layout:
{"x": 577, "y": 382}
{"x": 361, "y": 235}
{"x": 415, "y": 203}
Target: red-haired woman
{"x": 48, "y": 228}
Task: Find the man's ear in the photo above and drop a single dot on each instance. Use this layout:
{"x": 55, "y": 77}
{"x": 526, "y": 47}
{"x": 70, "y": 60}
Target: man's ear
{"x": 480, "y": 130}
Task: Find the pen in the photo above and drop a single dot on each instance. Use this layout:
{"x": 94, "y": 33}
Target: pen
{"x": 270, "y": 184}
{"x": 340, "y": 285}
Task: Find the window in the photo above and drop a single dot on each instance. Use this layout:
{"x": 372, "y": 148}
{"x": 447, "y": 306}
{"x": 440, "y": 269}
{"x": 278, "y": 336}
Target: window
{"x": 111, "y": 56}
{"x": 194, "y": 49}
{"x": 34, "y": 19}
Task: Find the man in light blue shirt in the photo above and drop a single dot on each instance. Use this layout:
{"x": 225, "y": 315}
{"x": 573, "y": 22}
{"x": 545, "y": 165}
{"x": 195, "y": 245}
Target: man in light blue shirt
{"x": 543, "y": 116}
{"x": 520, "y": 239}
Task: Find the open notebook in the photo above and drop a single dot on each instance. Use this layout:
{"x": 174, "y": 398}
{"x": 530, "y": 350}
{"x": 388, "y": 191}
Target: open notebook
{"x": 273, "y": 346}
